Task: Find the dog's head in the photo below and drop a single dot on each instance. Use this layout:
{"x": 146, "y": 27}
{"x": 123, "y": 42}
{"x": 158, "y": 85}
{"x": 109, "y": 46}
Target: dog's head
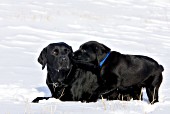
{"x": 57, "y": 58}
{"x": 91, "y": 52}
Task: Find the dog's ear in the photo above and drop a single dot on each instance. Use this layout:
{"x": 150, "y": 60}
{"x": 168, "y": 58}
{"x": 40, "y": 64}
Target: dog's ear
{"x": 42, "y": 59}
{"x": 101, "y": 52}
{"x": 105, "y": 48}
{"x": 71, "y": 49}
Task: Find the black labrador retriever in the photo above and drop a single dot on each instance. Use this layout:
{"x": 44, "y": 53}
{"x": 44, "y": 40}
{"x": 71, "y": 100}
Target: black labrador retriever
{"x": 119, "y": 71}
{"x": 66, "y": 80}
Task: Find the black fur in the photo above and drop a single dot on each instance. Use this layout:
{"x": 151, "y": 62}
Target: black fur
{"x": 122, "y": 72}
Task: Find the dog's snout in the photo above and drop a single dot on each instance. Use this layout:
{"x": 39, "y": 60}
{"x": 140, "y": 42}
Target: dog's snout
{"x": 76, "y": 54}
{"x": 64, "y": 59}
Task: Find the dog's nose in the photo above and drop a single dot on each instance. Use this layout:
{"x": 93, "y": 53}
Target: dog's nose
{"x": 64, "y": 59}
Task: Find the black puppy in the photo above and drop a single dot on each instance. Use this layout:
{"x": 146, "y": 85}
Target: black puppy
{"x": 66, "y": 80}
{"x": 119, "y": 71}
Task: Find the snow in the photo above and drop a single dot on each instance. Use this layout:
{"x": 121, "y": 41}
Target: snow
{"x": 128, "y": 26}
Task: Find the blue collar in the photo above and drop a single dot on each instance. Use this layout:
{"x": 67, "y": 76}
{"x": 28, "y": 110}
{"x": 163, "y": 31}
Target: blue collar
{"x": 102, "y": 62}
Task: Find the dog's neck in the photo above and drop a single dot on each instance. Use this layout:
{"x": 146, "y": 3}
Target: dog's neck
{"x": 102, "y": 62}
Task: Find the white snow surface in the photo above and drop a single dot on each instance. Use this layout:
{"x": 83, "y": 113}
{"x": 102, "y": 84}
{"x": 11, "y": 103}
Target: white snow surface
{"x": 129, "y": 26}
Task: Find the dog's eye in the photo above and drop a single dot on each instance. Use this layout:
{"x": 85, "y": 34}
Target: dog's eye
{"x": 55, "y": 52}
{"x": 83, "y": 50}
{"x": 96, "y": 48}
{"x": 65, "y": 50}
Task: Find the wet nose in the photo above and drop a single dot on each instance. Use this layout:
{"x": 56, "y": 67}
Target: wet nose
{"x": 63, "y": 59}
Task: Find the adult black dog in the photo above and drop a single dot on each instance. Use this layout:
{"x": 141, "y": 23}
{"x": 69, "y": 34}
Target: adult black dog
{"x": 119, "y": 71}
{"x": 66, "y": 80}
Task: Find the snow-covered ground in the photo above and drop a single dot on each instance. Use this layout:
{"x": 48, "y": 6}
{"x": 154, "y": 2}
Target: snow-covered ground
{"x": 128, "y": 26}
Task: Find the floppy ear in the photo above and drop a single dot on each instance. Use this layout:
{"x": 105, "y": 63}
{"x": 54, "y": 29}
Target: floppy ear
{"x": 106, "y": 49}
{"x": 42, "y": 59}
{"x": 71, "y": 49}
{"x": 101, "y": 52}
